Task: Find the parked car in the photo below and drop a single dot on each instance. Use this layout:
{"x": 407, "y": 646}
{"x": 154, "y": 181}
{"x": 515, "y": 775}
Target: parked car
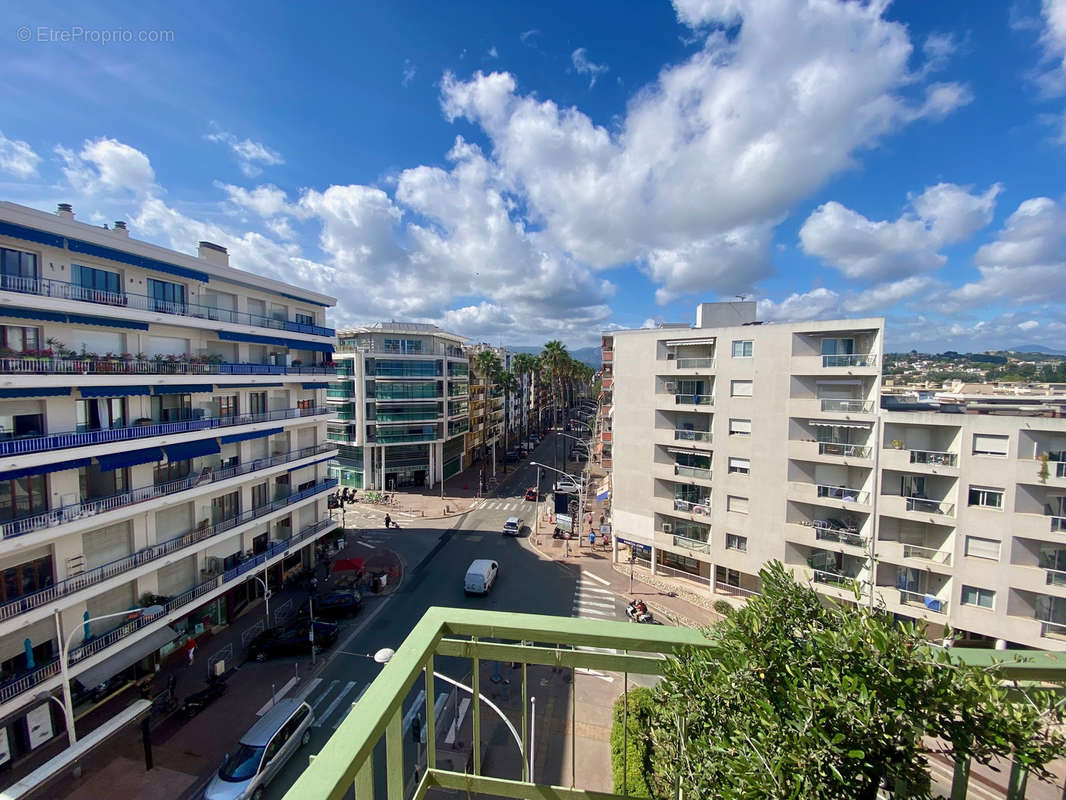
{"x": 510, "y": 457}
{"x": 531, "y": 493}
{"x": 291, "y": 639}
{"x": 480, "y": 576}
{"x": 262, "y": 752}
{"x": 338, "y": 604}
{"x": 566, "y": 486}
{"x": 513, "y": 527}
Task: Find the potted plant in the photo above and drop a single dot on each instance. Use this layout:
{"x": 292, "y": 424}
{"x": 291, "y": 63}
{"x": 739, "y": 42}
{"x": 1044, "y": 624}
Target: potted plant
{"x": 1044, "y": 471}
{"x": 897, "y": 444}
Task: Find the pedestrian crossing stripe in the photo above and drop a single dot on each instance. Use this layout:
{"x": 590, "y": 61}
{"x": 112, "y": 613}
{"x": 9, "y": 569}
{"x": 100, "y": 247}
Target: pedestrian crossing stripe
{"x": 587, "y": 610}
{"x": 319, "y": 721}
{"x": 585, "y": 601}
{"x": 318, "y": 700}
{"x": 588, "y": 587}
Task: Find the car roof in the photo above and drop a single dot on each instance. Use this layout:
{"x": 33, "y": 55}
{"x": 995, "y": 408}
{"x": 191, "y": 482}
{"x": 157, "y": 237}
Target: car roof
{"x": 259, "y": 735}
{"x": 514, "y": 520}
{"x": 480, "y": 563}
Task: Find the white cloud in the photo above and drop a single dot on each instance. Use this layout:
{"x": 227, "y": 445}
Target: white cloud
{"x": 798, "y": 307}
{"x": 266, "y": 200}
{"x": 1028, "y": 325}
{"x": 1053, "y": 39}
{"x": 107, "y": 166}
{"x": 409, "y": 72}
{"x": 579, "y": 58}
{"x": 941, "y": 99}
{"x": 527, "y": 37}
{"x": 882, "y": 250}
{"x": 493, "y": 52}
{"x": 938, "y": 48}
{"x": 18, "y": 158}
{"x": 250, "y": 154}
{"x": 885, "y": 295}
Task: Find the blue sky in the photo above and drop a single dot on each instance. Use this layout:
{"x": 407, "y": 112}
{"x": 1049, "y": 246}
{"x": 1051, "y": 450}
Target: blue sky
{"x": 551, "y": 170}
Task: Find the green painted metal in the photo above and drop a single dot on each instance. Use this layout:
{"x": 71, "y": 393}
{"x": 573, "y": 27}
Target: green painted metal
{"x": 551, "y": 656}
{"x": 394, "y": 756}
{"x": 1019, "y": 777}
{"x": 1022, "y": 665}
{"x": 431, "y": 718}
{"x": 364, "y": 781}
{"x": 499, "y": 787}
{"x": 475, "y": 684}
{"x": 525, "y": 723}
{"x": 961, "y": 779}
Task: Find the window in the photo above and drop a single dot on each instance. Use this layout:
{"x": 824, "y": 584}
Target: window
{"x": 305, "y": 404}
{"x": 736, "y": 542}
{"x": 976, "y": 547}
{"x": 279, "y": 312}
{"x": 227, "y": 405}
{"x": 985, "y": 444}
{"x": 95, "y": 281}
{"x": 838, "y": 347}
{"x": 986, "y": 498}
{"x": 18, "y": 339}
{"x": 15, "y": 264}
{"x": 739, "y": 466}
{"x": 260, "y": 495}
{"x": 172, "y": 407}
{"x": 257, "y": 403}
{"x": 226, "y": 507}
{"x": 304, "y": 319}
{"x": 96, "y": 483}
{"x": 740, "y": 427}
{"x": 23, "y": 497}
{"x": 25, "y": 579}
{"x": 103, "y": 413}
{"x": 166, "y": 297}
{"x": 172, "y": 471}
{"x": 976, "y": 596}
{"x": 728, "y": 577}
{"x": 740, "y": 388}
{"x": 742, "y": 349}
{"x": 736, "y": 503}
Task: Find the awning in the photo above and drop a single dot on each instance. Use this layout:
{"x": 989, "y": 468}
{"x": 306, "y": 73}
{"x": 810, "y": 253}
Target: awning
{"x": 187, "y": 450}
{"x": 30, "y": 234}
{"x": 44, "y": 469}
{"x": 604, "y": 490}
{"x": 51, "y": 391}
{"x": 635, "y": 545}
{"x": 126, "y": 657}
{"x": 250, "y": 385}
{"x": 682, "y": 342}
{"x": 79, "y": 246}
{"x": 244, "y": 437}
{"x": 277, "y": 341}
{"x": 114, "y": 391}
{"x": 184, "y": 388}
{"x": 825, "y": 424}
{"x": 106, "y": 322}
{"x": 32, "y": 313}
{"x": 317, "y": 385}
{"x": 130, "y": 458}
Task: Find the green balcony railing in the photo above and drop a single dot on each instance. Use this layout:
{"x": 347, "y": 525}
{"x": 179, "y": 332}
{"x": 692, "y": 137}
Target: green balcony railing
{"x": 347, "y": 761}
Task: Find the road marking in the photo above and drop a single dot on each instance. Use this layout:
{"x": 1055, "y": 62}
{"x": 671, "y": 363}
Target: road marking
{"x": 308, "y": 689}
{"x": 269, "y": 704}
{"x": 586, "y": 610}
{"x": 582, "y": 601}
{"x": 367, "y": 544}
{"x": 318, "y": 700}
{"x": 595, "y": 674}
{"x": 596, "y": 578}
{"x": 611, "y": 650}
{"x": 410, "y": 715}
{"x": 586, "y": 587}
{"x": 464, "y": 704}
{"x": 319, "y": 721}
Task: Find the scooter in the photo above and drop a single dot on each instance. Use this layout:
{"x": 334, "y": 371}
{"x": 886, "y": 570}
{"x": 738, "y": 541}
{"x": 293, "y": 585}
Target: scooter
{"x": 633, "y": 614}
{"x": 198, "y": 701}
{"x": 559, "y": 533}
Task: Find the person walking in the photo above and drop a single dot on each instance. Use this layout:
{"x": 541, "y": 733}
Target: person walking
{"x": 388, "y": 522}
{"x": 190, "y": 649}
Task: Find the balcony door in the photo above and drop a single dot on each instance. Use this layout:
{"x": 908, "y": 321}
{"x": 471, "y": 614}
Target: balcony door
{"x": 912, "y": 486}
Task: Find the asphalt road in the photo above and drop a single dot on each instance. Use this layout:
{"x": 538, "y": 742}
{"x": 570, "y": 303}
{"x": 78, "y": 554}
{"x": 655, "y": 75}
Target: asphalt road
{"x": 436, "y": 561}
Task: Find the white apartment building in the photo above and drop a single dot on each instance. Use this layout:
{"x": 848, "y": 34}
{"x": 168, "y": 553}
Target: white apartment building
{"x": 400, "y": 404}
{"x": 746, "y": 442}
{"x": 162, "y": 439}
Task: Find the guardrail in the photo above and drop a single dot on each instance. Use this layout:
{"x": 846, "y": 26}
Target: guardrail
{"x": 703, "y": 473}
{"x": 1058, "y": 524}
{"x": 1052, "y": 630}
{"x": 847, "y": 406}
{"x": 927, "y": 601}
{"x": 695, "y": 545}
{"x": 685, "y": 435}
{"x": 67, "y": 439}
{"x": 925, "y": 506}
{"x": 23, "y": 683}
{"x": 694, "y": 363}
{"x": 46, "y": 287}
{"x": 88, "y": 508}
{"x": 845, "y": 450}
{"x": 694, "y": 399}
{"x": 827, "y": 534}
{"x": 100, "y": 366}
{"x": 835, "y": 579}
{"x": 1055, "y": 577}
{"x": 934, "y": 458}
{"x": 927, "y": 554}
{"x": 703, "y": 508}
{"x": 152, "y": 553}
{"x": 721, "y": 587}
{"x": 843, "y": 493}
{"x": 850, "y": 360}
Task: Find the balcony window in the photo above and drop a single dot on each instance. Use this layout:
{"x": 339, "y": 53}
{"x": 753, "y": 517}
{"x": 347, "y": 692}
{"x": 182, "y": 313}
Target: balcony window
{"x": 260, "y": 494}
{"x": 986, "y": 498}
{"x": 96, "y": 483}
{"x": 740, "y": 427}
{"x": 978, "y": 547}
{"x": 976, "y": 596}
{"x": 225, "y": 507}
{"x": 23, "y": 497}
{"x": 172, "y": 407}
{"x": 304, "y": 319}
{"x": 17, "y": 264}
{"x": 227, "y": 405}
{"x": 989, "y": 445}
{"x": 95, "y": 282}
{"x": 172, "y": 471}
{"x": 166, "y": 297}
{"x": 743, "y": 349}
{"x": 19, "y": 339}
{"x": 734, "y": 541}
{"x": 1053, "y": 558}
{"x": 739, "y": 466}
{"x": 838, "y": 347}
{"x": 19, "y": 426}
{"x": 102, "y": 413}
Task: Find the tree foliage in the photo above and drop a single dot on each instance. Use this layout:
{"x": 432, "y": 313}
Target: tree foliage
{"x": 630, "y": 744}
{"x": 799, "y": 698}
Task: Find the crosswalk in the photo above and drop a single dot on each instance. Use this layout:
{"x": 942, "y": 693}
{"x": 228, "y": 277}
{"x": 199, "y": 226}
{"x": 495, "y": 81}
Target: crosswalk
{"x": 591, "y": 599}
{"x": 500, "y": 505}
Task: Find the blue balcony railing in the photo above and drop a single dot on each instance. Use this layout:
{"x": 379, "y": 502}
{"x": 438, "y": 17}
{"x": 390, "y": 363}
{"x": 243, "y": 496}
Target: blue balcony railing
{"x": 178, "y": 604}
{"x": 90, "y": 508}
{"x": 61, "y": 441}
{"x": 47, "y": 287}
{"x": 21, "y": 365}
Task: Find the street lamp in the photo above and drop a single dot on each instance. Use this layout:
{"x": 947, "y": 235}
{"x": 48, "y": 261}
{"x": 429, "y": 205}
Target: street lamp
{"x": 580, "y": 493}
{"x": 266, "y": 592}
{"x": 64, "y": 657}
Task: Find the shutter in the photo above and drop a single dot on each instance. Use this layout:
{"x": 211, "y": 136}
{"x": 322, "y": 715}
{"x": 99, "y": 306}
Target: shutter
{"x": 976, "y": 547}
{"x": 107, "y": 544}
{"x": 739, "y": 463}
{"x": 177, "y": 578}
{"x": 740, "y": 426}
{"x": 741, "y": 388}
{"x": 988, "y": 444}
{"x": 165, "y": 346}
{"x": 737, "y": 504}
{"x": 171, "y": 522}
{"x": 110, "y": 602}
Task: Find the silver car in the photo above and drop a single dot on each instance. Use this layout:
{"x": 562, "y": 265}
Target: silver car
{"x": 262, "y": 752}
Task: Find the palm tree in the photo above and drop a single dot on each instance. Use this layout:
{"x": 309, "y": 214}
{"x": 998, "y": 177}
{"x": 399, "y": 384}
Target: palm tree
{"x": 509, "y": 384}
{"x": 487, "y": 364}
{"x": 524, "y": 364}
{"x": 554, "y": 360}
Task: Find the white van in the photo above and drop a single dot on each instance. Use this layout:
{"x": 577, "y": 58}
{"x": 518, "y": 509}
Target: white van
{"x": 480, "y": 576}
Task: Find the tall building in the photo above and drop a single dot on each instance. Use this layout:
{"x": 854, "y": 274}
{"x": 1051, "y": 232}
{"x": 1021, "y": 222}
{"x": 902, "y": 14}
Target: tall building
{"x": 163, "y": 440}
{"x": 401, "y": 405}
{"x": 739, "y": 443}
{"x": 490, "y": 410}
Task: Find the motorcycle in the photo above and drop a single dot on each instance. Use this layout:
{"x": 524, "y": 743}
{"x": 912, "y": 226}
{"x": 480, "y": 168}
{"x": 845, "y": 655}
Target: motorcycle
{"x": 559, "y": 533}
{"x": 636, "y": 616}
{"x": 198, "y": 701}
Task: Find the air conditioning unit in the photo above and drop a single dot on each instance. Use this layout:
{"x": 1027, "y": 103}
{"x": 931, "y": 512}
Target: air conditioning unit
{"x": 670, "y": 387}
{"x": 668, "y": 528}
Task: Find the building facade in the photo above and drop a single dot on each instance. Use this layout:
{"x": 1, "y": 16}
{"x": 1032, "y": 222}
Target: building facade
{"x": 739, "y": 443}
{"x": 163, "y": 439}
{"x": 401, "y": 403}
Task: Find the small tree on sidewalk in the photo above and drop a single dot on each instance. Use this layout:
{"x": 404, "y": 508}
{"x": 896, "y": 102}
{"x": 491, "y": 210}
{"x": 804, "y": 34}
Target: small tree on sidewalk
{"x": 800, "y": 697}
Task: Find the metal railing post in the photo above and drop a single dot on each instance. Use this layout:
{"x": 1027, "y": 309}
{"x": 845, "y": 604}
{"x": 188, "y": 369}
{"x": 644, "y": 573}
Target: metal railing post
{"x": 364, "y": 781}
{"x": 526, "y": 762}
{"x": 431, "y": 717}
{"x": 960, "y": 779}
{"x": 475, "y": 684}
{"x": 1019, "y": 777}
{"x": 394, "y": 756}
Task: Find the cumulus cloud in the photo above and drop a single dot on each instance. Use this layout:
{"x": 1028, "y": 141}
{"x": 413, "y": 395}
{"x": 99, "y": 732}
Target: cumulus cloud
{"x": 584, "y": 66}
{"x": 798, "y": 307}
{"x": 107, "y": 166}
{"x": 18, "y": 158}
{"x": 266, "y": 200}
{"x": 1028, "y": 325}
{"x": 882, "y": 250}
{"x": 1053, "y": 38}
{"x": 251, "y": 156}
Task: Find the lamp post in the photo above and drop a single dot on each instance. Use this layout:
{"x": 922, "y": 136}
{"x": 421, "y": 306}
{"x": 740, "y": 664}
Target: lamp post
{"x": 580, "y": 493}
{"x": 64, "y": 657}
{"x": 266, "y": 591}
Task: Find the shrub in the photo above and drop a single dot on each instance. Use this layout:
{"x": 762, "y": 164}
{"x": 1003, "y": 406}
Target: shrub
{"x": 632, "y": 772}
{"x": 723, "y": 607}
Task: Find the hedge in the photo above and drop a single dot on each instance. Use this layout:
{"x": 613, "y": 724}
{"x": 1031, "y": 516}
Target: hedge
{"x": 632, "y": 775}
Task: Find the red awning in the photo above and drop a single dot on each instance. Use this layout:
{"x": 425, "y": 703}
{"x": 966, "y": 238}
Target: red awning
{"x": 348, "y": 565}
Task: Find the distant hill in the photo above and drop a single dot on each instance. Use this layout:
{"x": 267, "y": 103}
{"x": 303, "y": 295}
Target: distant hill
{"x": 1037, "y": 348}
{"x": 586, "y": 355}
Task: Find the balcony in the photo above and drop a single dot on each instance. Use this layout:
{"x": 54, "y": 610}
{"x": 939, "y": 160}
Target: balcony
{"x": 90, "y": 508}
{"x": 927, "y": 601}
{"x": 849, "y": 360}
{"x": 842, "y": 493}
{"x": 694, "y": 363}
{"x": 692, "y": 545}
{"x": 407, "y": 416}
{"x": 47, "y": 365}
{"x": 346, "y": 392}
{"x": 61, "y": 441}
{"x": 843, "y": 450}
{"x": 925, "y": 506}
{"x": 934, "y": 458}
{"x": 45, "y": 287}
{"x": 685, "y": 435}
{"x": 702, "y": 473}
{"x": 606, "y": 436}
{"x": 836, "y": 580}
{"x": 927, "y": 554}
{"x": 836, "y": 406}
{"x": 694, "y": 399}
{"x": 702, "y": 508}
{"x": 824, "y": 531}
{"x": 388, "y": 437}
{"x": 173, "y": 608}
{"x": 607, "y": 355}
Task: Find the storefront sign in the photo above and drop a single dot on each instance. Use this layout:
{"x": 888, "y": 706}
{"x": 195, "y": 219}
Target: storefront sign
{"x": 39, "y": 724}
{"x": 635, "y": 545}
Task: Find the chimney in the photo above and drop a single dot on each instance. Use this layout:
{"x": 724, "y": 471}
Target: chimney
{"x": 215, "y": 253}
{"x": 121, "y": 229}
{"x": 65, "y": 210}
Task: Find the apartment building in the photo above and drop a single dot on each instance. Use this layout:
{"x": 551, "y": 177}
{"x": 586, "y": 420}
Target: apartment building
{"x": 744, "y": 443}
{"x": 401, "y": 403}
{"x": 605, "y": 406}
{"x": 488, "y": 409}
{"x": 162, "y": 440}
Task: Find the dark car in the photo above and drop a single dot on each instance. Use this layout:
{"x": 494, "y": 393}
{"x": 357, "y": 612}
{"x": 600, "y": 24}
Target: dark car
{"x": 510, "y": 457}
{"x": 531, "y": 493}
{"x": 291, "y": 639}
{"x": 338, "y": 604}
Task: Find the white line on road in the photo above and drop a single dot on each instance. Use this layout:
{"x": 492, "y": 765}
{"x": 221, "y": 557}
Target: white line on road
{"x": 366, "y": 544}
{"x": 417, "y": 704}
{"x": 587, "y": 587}
{"x": 596, "y": 578}
{"x": 586, "y": 610}
{"x": 280, "y": 693}
{"x": 464, "y": 704}
{"x": 588, "y": 601}
{"x": 593, "y": 673}
{"x": 318, "y": 700}
{"x": 336, "y": 701}
{"x": 306, "y": 691}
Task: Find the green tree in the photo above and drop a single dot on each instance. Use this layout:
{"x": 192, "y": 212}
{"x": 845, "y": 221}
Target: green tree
{"x": 509, "y": 384}
{"x": 553, "y": 362}
{"x": 797, "y": 697}
{"x": 487, "y": 365}
{"x": 524, "y": 365}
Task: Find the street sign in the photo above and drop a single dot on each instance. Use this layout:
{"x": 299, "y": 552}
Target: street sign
{"x": 564, "y": 522}
{"x": 634, "y": 545}
{"x": 605, "y": 529}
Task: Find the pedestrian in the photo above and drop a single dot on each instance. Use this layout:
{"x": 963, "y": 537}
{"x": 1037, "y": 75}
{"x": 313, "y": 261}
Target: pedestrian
{"x": 601, "y": 520}
{"x": 314, "y": 585}
{"x": 388, "y": 521}
{"x": 190, "y": 649}
{"x": 592, "y": 538}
